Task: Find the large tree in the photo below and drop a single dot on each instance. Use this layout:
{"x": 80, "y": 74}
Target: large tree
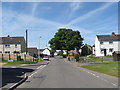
{"x": 66, "y": 39}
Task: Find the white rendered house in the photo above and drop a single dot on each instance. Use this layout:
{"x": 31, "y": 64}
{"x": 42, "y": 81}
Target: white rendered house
{"x": 107, "y": 44}
{"x": 46, "y": 51}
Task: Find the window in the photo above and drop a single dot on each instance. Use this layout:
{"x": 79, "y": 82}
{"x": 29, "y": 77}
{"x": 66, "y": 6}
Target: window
{"x": 7, "y": 51}
{"x": 16, "y": 52}
{"x": 101, "y": 42}
{"x": 111, "y": 50}
{"x": 110, "y": 42}
{"x": 7, "y": 45}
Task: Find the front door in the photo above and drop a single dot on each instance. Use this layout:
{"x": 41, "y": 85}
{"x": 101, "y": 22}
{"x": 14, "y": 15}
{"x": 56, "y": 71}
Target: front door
{"x": 105, "y": 53}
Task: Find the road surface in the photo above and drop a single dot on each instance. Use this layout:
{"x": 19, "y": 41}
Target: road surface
{"x": 61, "y": 74}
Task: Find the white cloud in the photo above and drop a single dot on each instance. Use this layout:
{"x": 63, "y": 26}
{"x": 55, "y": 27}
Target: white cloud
{"x": 35, "y": 5}
{"x": 89, "y": 14}
{"x": 73, "y": 7}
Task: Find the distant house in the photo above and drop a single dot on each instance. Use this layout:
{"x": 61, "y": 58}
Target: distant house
{"x": 40, "y": 51}
{"x": 107, "y": 44}
{"x": 46, "y": 51}
{"x": 33, "y": 52}
{"x": 86, "y": 50}
{"x": 12, "y": 45}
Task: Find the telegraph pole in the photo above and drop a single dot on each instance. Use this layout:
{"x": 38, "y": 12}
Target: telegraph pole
{"x": 26, "y": 40}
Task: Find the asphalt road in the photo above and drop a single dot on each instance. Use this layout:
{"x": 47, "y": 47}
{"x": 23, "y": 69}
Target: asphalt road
{"x": 12, "y": 74}
{"x": 61, "y": 74}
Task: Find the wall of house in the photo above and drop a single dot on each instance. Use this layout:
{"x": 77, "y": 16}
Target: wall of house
{"x": 46, "y": 51}
{"x": 12, "y": 48}
{"x": 23, "y": 46}
{"x": 97, "y": 47}
{"x": 14, "y": 57}
{"x": 1, "y": 48}
{"x": 115, "y": 45}
{"x": 93, "y": 50}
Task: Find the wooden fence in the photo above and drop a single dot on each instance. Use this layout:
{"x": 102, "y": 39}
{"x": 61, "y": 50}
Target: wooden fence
{"x": 14, "y": 57}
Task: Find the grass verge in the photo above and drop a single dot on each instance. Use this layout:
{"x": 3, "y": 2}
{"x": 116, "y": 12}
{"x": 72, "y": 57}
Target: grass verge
{"x": 110, "y": 68}
{"x": 40, "y": 60}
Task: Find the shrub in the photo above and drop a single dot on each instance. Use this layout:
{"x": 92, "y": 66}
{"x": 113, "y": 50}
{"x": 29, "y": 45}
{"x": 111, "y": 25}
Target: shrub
{"x": 76, "y": 56}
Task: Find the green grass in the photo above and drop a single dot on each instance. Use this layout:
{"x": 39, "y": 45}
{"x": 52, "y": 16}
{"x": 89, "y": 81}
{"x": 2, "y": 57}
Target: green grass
{"x": 40, "y": 60}
{"x": 110, "y": 68}
{"x": 18, "y": 62}
{"x": 96, "y": 59}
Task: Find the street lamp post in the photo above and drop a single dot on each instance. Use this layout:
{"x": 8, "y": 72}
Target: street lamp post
{"x": 39, "y": 46}
{"x": 26, "y": 40}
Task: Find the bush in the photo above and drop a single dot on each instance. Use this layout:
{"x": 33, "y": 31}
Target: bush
{"x": 76, "y": 56}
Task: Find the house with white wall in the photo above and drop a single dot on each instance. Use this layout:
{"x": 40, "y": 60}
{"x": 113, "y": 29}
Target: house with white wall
{"x": 93, "y": 49}
{"x": 12, "y": 45}
{"x": 46, "y": 51}
{"x": 107, "y": 44}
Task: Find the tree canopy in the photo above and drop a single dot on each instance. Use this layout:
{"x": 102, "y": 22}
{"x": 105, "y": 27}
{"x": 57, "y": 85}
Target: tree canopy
{"x": 66, "y": 39}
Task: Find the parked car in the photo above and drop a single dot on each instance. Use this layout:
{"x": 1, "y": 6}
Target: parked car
{"x": 46, "y": 58}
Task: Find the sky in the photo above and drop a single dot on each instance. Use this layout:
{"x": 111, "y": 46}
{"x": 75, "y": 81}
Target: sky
{"x": 43, "y": 19}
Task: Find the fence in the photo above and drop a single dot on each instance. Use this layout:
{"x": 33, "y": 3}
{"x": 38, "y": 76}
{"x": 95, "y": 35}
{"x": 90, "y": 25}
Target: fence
{"x": 14, "y": 57}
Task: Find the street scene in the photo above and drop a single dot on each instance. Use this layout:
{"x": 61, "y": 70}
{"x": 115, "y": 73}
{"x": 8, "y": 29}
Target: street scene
{"x": 59, "y": 44}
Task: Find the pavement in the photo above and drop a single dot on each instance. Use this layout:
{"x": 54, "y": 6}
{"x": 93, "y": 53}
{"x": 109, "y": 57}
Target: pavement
{"x": 60, "y": 73}
{"x": 12, "y": 74}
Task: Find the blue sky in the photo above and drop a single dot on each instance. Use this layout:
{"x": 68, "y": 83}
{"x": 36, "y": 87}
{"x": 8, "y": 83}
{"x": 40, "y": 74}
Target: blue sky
{"x": 45, "y": 18}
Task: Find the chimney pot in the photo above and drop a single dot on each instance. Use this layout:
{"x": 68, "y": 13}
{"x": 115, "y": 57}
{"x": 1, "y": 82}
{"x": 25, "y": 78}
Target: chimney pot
{"x": 113, "y": 33}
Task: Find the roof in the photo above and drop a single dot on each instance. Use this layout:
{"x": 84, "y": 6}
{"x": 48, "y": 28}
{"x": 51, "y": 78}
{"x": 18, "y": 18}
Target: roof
{"x": 11, "y": 40}
{"x": 117, "y": 52}
{"x": 32, "y": 49}
{"x": 115, "y": 37}
{"x": 41, "y": 50}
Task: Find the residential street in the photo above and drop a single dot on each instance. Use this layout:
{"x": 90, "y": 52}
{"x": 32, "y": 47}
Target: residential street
{"x": 61, "y": 74}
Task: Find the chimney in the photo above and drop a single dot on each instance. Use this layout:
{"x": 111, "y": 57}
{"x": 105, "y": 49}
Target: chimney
{"x": 8, "y": 36}
{"x": 113, "y": 33}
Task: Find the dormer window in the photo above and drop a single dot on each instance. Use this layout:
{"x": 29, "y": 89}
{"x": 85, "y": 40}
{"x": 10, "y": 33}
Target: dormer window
{"x": 110, "y": 42}
{"x": 101, "y": 42}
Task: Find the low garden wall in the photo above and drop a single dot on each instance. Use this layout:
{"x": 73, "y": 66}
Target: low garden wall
{"x": 14, "y": 57}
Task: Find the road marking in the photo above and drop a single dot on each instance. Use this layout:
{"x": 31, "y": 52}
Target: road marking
{"x": 88, "y": 72}
{"x": 41, "y": 67}
{"x": 93, "y": 74}
{"x": 15, "y": 84}
{"x": 105, "y": 80}
{"x": 23, "y": 65}
{"x": 33, "y": 74}
{"x": 99, "y": 77}
{"x": 14, "y": 67}
{"x": 113, "y": 84}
